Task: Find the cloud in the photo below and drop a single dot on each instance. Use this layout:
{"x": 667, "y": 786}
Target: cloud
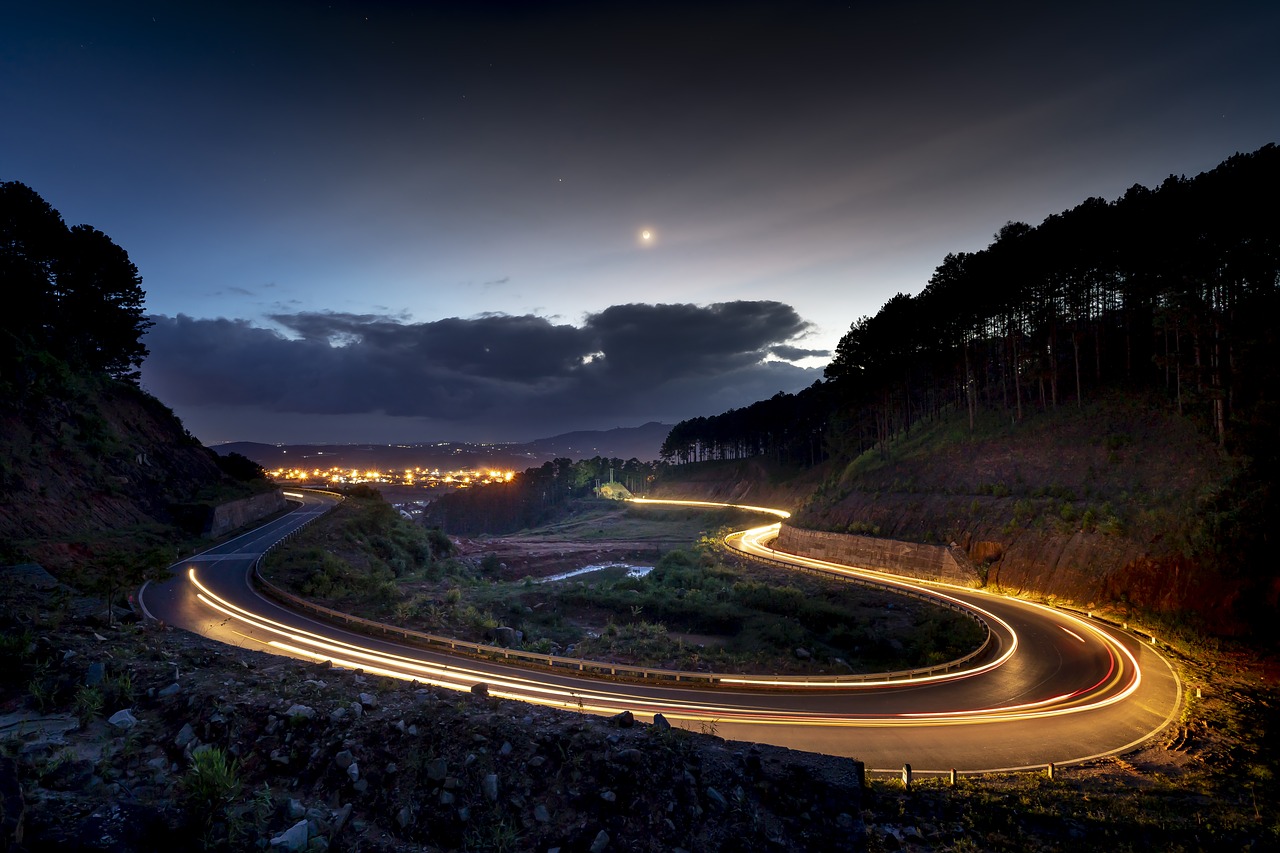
{"x": 788, "y": 353}
{"x": 505, "y": 375}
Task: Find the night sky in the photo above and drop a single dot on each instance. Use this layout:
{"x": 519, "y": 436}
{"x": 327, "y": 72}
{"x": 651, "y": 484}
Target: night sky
{"x": 416, "y": 222}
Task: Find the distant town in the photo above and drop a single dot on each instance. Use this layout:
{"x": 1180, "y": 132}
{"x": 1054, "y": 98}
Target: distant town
{"x": 425, "y": 478}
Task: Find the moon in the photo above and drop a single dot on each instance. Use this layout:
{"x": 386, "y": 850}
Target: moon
{"x": 646, "y": 235}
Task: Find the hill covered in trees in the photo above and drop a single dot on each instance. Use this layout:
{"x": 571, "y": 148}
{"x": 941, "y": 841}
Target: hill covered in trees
{"x": 99, "y": 478}
{"x": 1165, "y": 299}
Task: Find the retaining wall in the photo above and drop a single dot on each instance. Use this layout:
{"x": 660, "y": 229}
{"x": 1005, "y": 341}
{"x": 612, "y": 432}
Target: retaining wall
{"x": 913, "y": 559}
{"x": 233, "y": 514}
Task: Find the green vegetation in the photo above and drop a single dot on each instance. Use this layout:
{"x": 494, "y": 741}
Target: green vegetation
{"x": 360, "y": 553}
{"x": 693, "y": 611}
{"x": 210, "y": 787}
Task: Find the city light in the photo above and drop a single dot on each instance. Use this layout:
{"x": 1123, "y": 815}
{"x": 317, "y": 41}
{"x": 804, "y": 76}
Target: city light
{"x": 419, "y": 477}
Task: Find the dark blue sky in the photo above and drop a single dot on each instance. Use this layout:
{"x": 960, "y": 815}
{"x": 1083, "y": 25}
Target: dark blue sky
{"x": 415, "y": 221}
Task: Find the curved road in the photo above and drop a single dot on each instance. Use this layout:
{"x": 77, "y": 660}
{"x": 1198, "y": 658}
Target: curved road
{"x": 1056, "y": 688}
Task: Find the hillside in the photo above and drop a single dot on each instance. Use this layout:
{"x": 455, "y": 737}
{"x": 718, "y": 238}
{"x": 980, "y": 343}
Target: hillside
{"x": 95, "y": 472}
{"x": 1088, "y": 407}
{"x": 1108, "y": 506}
{"x": 97, "y": 459}
{"x": 1103, "y": 506}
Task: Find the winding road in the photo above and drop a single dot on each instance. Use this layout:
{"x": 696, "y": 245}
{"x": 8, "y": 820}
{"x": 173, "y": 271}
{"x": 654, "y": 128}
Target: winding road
{"x": 1054, "y": 687}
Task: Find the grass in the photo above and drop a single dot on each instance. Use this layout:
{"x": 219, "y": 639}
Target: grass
{"x": 693, "y": 611}
{"x": 357, "y": 557}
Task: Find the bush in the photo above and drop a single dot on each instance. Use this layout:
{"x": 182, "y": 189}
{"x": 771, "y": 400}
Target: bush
{"x": 211, "y": 783}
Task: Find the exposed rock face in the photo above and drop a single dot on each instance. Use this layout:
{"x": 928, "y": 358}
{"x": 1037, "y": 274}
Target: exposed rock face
{"x": 929, "y": 562}
{"x": 232, "y": 514}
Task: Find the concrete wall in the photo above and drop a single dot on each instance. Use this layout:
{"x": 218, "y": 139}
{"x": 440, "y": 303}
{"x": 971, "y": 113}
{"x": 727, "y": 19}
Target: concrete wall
{"x": 238, "y": 513}
{"x": 927, "y": 562}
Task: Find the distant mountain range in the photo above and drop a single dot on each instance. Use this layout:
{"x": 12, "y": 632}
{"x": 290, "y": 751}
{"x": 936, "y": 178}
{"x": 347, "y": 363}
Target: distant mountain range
{"x": 642, "y": 442}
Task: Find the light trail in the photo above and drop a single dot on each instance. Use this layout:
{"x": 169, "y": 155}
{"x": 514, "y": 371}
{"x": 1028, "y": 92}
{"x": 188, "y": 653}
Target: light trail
{"x": 539, "y": 688}
{"x": 1054, "y": 698}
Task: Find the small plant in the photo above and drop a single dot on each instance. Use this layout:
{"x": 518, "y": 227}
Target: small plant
{"x": 88, "y": 703}
{"x": 499, "y": 836}
{"x": 117, "y": 689}
{"x": 16, "y": 647}
{"x": 211, "y": 783}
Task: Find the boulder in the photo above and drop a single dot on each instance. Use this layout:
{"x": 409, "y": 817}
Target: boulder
{"x": 294, "y": 838}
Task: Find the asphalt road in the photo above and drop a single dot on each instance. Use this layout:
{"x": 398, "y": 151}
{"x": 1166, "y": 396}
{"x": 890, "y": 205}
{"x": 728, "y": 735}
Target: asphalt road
{"x": 1053, "y": 688}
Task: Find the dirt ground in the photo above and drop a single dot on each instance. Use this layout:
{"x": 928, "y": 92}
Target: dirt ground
{"x": 523, "y": 557}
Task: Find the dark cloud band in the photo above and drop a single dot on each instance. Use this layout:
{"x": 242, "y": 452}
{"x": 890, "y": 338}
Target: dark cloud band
{"x": 633, "y": 361}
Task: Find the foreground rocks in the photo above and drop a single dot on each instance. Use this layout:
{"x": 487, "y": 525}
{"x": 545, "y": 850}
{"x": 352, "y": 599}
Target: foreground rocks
{"x": 326, "y": 759}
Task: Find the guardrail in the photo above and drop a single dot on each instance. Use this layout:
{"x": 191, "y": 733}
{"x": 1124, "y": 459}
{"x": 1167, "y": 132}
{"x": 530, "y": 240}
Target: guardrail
{"x": 601, "y": 668}
{"x": 885, "y": 586}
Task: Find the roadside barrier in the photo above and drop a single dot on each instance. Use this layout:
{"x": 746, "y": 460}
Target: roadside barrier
{"x": 586, "y": 666}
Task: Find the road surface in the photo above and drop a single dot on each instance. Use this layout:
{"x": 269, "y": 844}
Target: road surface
{"x": 1054, "y": 688}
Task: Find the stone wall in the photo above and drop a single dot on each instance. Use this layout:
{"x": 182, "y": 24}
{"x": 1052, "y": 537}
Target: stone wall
{"x": 238, "y": 513}
{"x": 927, "y": 562}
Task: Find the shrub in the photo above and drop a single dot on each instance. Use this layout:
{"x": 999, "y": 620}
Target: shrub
{"x": 211, "y": 783}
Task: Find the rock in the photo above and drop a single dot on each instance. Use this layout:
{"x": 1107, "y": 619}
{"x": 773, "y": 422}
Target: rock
{"x": 609, "y": 796}
{"x": 172, "y": 690}
{"x": 623, "y": 719}
{"x": 802, "y": 654}
{"x": 353, "y": 771}
{"x": 489, "y": 785}
{"x": 404, "y": 817}
{"x": 504, "y": 635}
{"x": 95, "y": 674}
{"x": 297, "y": 711}
{"x": 295, "y": 810}
{"x": 340, "y": 818}
{"x": 293, "y": 838}
{"x": 124, "y": 719}
{"x": 505, "y": 749}
{"x": 368, "y": 700}
{"x": 446, "y": 798}
{"x": 601, "y": 842}
{"x": 344, "y": 759}
{"x": 717, "y": 800}
{"x": 660, "y": 723}
{"x": 357, "y": 710}
{"x": 69, "y": 776}
{"x": 540, "y": 814}
{"x": 185, "y": 735}
{"x": 437, "y": 769}
{"x": 630, "y": 757}
{"x": 480, "y": 689}
{"x": 337, "y": 714}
